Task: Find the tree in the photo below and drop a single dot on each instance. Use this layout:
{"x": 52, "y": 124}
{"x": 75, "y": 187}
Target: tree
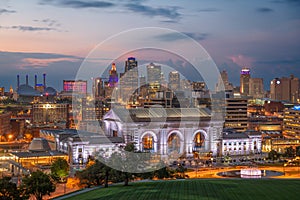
{"x": 9, "y": 190}
{"x": 273, "y": 155}
{"x": 289, "y": 152}
{"x": 60, "y": 170}
{"x": 38, "y": 184}
{"x": 164, "y": 172}
{"x": 298, "y": 151}
{"x": 93, "y": 175}
{"x": 180, "y": 171}
{"x": 126, "y": 162}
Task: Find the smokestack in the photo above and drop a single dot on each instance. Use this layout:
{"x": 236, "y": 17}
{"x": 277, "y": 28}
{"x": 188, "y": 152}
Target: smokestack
{"x": 35, "y": 81}
{"x": 18, "y": 81}
{"x": 44, "y": 78}
{"x": 26, "y": 79}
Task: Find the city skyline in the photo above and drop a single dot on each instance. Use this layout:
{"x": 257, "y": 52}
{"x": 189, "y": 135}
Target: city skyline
{"x": 48, "y": 36}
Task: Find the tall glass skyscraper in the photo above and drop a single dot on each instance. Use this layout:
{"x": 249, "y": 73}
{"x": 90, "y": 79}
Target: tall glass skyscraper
{"x": 129, "y": 80}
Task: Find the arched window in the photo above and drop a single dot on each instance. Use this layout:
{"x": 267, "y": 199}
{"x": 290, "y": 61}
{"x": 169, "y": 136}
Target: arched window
{"x": 148, "y": 142}
{"x": 174, "y": 143}
{"x": 199, "y": 140}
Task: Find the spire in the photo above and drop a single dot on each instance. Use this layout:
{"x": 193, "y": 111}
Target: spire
{"x": 113, "y": 67}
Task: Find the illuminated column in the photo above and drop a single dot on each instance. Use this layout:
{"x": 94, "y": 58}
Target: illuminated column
{"x": 188, "y": 141}
{"x": 163, "y": 142}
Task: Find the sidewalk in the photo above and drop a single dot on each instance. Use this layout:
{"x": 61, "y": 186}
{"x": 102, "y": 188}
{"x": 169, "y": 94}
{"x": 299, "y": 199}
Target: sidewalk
{"x": 76, "y": 193}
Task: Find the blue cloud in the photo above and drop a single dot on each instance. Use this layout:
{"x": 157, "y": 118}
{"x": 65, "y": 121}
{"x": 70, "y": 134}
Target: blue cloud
{"x": 79, "y": 4}
{"x": 178, "y": 36}
{"x": 208, "y": 10}
{"x": 264, "y": 10}
{"x": 2, "y": 11}
{"x": 167, "y": 12}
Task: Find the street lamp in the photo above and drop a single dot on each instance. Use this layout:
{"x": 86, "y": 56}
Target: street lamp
{"x": 284, "y": 165}
{"x": 10, "y": 136}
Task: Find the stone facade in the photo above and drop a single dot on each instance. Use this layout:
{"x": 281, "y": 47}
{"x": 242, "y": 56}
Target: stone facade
{"x": 165, "y": 131}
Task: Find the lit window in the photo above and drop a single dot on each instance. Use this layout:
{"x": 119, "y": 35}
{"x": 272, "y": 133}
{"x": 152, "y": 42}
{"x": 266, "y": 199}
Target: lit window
{"x": 147, "y": 142}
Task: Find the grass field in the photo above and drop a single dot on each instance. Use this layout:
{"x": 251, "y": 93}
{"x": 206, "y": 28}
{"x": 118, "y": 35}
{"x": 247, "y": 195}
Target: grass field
{"x": 194, "y": 189}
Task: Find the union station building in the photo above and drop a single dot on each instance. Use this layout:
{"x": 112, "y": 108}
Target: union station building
{"x": 166, "y": 131}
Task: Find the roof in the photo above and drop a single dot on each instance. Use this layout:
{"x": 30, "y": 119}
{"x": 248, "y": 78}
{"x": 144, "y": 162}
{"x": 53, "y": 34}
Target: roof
{"x": 157, "y": 114}
{"x": 50, "y": 91}
{"x": 250, "y": 132}
{"x": 39, "y": 145}
{"x": 232, "y": 134}
{"x": 37, "y": 154}
{"x": 54, "y": 132}
{"x": 97, "y": 139}
{"x": 27, "y": 90}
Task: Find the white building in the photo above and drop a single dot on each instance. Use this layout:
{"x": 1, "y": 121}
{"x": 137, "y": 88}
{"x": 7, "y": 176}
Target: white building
{"x": 245, "y": 143}
{"x": 80, "y": 146}
{"x": 165, "y": 131}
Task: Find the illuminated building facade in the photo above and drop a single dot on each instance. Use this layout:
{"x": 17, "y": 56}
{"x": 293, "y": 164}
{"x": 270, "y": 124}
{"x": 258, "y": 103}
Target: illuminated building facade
{"x": 256, "y": 87}
{"x": 98, "y": 89}
{"x": 236, "y": 114}
{"x": 174, "y": 80}
{"x": 279, "y": 144}
{"x": 285, "y": 89}
{"x": 244, "y": 81}
{"x": 244, "y": 143}
{"x": 38, "y": 157}
{"x": 50, "y": 113}
{"x": 153, "y": 77}
{"x": 113, "y": 76}
{"x": 77, "y": 87}
{"x": 112, "y": 83}
{"x": 291, "y": 122}
{"x": 80, "y": 148}
{"x": 5, "y": 127}
{"x": 163, "y": 98}
{"x": 2, "y": 90}
{"x": 171, "y": 131}
{"x": 129, "y": 80}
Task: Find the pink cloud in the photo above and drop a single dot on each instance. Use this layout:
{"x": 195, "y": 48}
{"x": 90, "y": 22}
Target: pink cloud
{"x": 39, "y": 62}
{"x": 242, "y": 60}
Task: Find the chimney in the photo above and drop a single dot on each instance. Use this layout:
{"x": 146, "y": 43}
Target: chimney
{"x": 44, "y": 78}
{"x": 26, "y": 79}
{"x": 18, "y": 81}
{"x": 35, "y": 81}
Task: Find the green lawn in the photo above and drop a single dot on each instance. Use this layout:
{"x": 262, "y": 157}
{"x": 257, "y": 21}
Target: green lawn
{"x": 200, "y": 189}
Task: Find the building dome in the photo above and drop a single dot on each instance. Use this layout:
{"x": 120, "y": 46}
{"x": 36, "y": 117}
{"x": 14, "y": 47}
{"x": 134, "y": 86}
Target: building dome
{"x": 27, "y": 90}
{"x": 39, "y": 145}
{"x": 50, "y": 91}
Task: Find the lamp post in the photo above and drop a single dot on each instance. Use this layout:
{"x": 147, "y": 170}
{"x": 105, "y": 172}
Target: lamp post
{"x": 284, "y": 165}
{"x": 196, "y": 168}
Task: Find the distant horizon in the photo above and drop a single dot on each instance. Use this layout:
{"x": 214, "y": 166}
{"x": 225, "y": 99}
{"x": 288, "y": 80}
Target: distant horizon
{"x": 142, "y": 72}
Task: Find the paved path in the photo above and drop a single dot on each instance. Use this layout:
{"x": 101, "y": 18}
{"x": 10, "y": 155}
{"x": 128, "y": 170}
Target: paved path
{"x": 76, "y": 193}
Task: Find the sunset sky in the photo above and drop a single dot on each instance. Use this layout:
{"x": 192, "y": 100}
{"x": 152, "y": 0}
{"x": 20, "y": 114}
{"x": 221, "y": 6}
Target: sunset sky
{"x": 54, "y": 36}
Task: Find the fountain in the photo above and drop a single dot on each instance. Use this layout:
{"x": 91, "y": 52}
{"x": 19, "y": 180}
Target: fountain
{"x": 250, "y": 173}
